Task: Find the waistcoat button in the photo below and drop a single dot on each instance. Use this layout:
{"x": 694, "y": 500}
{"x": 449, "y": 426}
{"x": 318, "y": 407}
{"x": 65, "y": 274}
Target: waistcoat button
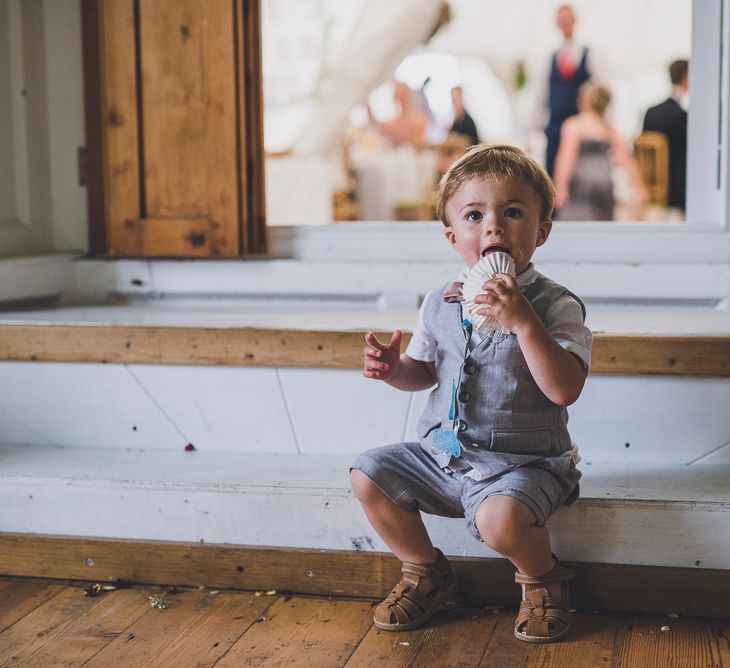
{"x": 470, "y": 367}
{"x": 462, "y": 425}
{"x": 464, "y": 396}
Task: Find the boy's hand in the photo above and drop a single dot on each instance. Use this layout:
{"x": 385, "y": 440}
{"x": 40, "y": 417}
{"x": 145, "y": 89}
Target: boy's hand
{"x": 505, "y": 301}
{"x": 381, "y": 361}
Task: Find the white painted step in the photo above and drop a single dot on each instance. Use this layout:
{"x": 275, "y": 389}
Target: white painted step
{"x": 665, "y": 515}
{"x": 341, "y": 315}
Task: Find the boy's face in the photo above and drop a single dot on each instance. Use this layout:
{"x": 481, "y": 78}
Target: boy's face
{"x": 489, "y": 212}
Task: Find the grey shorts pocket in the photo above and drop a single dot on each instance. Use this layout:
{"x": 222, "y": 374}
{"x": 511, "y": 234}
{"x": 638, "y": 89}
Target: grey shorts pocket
{"x": 522, "y": 441}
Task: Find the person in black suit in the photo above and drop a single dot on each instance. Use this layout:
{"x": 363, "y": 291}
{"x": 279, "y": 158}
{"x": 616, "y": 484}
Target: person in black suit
{"x": 463, "y": 122}
{"x": 670, "y": 118}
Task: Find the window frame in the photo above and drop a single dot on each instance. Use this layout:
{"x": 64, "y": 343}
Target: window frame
{"x": 704, "y": 236}
{"x": 17, "y": 213}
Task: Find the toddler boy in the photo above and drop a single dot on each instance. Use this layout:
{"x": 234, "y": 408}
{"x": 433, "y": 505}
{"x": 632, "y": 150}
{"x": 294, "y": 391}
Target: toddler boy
{"x": 500, "y": 396}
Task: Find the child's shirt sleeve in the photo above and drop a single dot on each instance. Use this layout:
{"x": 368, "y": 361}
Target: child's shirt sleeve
{"x": 565, "y": 324}
{"x": 422, "y": 346}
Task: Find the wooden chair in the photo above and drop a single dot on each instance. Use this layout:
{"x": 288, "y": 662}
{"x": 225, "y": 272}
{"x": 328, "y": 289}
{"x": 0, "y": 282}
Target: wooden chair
{"x": 451, "y": 149}
{"x": 652, "y": 154}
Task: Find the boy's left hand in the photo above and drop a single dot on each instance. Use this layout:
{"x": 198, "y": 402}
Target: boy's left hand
{"x": 505, "y": 301}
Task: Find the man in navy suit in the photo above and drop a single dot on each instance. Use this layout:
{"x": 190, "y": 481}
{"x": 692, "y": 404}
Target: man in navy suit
{"x": 570, "y": 68}
{"x": 670, "y": 118}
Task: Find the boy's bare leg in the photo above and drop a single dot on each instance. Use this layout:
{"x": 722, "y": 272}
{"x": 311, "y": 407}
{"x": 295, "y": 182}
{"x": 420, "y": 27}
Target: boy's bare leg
{"x": 509, "y": 526}
{"x": 402, "y": 530}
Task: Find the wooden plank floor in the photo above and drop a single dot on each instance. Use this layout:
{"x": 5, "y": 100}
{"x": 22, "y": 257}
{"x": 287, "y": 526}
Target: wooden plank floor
{"x": 46, "y": 624}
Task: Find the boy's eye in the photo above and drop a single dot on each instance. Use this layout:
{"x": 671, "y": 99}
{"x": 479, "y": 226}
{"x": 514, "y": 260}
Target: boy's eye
{"x": 512, "y": 212}
{"x": 474, "y": 216}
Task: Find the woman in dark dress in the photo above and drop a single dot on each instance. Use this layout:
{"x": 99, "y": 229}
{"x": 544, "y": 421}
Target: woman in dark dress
{"x": 589, "y": 145}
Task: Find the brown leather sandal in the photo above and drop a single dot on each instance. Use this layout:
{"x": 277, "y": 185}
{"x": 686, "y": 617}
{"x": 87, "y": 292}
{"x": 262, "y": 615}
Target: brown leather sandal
{"x": 545, "y": 609}
{"x": 408, "y": 606}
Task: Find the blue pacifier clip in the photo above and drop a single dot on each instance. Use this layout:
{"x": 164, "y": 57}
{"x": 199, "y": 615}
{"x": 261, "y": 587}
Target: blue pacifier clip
{"x": 446, "y": 440}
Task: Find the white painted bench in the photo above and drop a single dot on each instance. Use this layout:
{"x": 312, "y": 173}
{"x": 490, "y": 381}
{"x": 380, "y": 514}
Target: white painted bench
{"x": 664, "y": 515}
{"x": 275, "y": 405}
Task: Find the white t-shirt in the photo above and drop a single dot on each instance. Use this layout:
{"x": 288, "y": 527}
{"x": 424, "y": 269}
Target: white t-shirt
{"x": 565, "y": 317}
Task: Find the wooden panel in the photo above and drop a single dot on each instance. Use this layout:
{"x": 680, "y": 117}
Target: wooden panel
{"x": 303, "y": 632}
{"x": 120, "y": 127}
{"x": 179, "y": 345}
{"x": 17, "y": 599}
{"x": 665, "y": 355}
{"x": 702, "y": 356}
{"x": 163, "y": 113}
{"x": 608, "y": 587}
{"x": 173, "y": 68}
{"x": 189, "y": 122}
{"x": 94, "y": 130}
{"x": 188, "y": 237}
{"x": 251, "y": 124}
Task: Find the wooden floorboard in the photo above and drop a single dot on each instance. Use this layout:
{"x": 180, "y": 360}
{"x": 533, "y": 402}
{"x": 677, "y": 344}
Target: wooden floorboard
{"x": 591, "y": 643}
{"x": 685, "y": 642}
{"x": 303, "y": 632}
{"x": 69, "y": 628}
{"x": 455, "y": 637}
{"x": 17, "y": 599}
{"x": 54, "y": 624}
{"x": 197, "y": 629}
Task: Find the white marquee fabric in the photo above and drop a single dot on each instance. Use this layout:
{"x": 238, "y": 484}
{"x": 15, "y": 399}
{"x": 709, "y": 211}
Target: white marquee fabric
{"x": 634, "y": 40}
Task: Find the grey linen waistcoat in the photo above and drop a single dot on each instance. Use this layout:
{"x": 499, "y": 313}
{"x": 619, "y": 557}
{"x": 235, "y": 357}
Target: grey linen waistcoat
{"x": 504, "y": 419}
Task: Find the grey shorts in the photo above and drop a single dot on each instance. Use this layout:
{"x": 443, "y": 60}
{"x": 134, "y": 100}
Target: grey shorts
{"x": 412, "y": 479}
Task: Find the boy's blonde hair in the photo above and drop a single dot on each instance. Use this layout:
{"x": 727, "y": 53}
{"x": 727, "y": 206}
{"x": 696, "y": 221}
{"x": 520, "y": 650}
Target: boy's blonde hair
{"x": 494, "y": 161}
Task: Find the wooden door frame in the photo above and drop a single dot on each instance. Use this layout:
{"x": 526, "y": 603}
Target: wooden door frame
{"x": 111, "y": 104}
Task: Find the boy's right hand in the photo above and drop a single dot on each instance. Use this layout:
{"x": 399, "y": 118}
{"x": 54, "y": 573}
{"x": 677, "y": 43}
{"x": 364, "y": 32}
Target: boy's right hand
{"x": 381, "y": 361}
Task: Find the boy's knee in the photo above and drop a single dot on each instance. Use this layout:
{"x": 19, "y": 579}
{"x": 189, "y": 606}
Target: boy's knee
{"x": 364, "y": 488}
{"x": 501, "y": 521}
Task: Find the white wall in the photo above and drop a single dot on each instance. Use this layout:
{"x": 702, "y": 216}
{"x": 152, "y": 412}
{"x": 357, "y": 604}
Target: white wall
{"x": 65, "y": 123}
{"x": 42, "y": 207}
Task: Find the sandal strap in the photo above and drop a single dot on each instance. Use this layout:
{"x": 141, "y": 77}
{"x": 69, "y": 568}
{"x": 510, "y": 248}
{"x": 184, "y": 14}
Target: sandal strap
{"x": 544, "y": 613}
{"x": 416, "y": 569}
{"x": 406, "y": 603}
{"x": 543, "y": 603}
{"x": 400, "y": 613}
{"x": 539, "y": 610}
{"x": 528, "y": 612}
{"x": 413, "y": 603}
{"x": 557, "y": 574}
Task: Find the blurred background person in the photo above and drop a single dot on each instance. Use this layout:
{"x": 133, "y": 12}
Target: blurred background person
{"x": 570, "y": 68}
{"x": 583, "y": 165}
{"x": 435, "y": 131}
{"x": 463, "y": 123}
{"x": 408, "y": 127}
{"x": 670, "y": 118}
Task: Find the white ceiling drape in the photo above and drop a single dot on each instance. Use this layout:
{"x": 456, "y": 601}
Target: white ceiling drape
{"x": 378, "y": 42}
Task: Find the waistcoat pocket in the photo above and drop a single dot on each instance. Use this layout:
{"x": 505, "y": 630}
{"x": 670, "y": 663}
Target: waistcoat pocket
{"x": 423, "y": 432}
{"x": 522, "y": 441}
